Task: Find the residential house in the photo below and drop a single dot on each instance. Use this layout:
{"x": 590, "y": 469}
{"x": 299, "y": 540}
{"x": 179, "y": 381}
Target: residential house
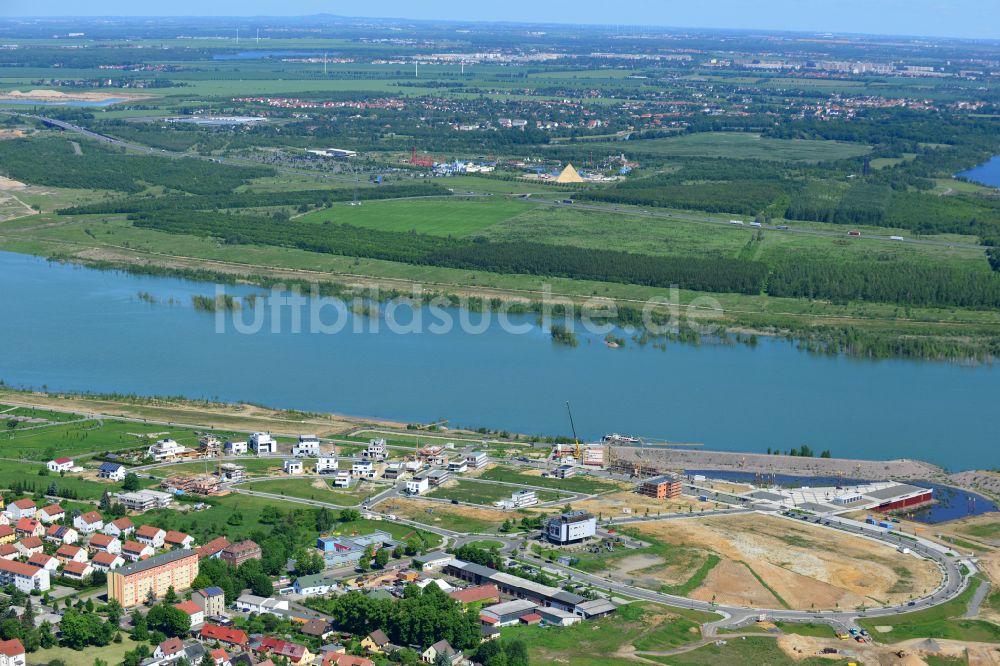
{"x": 28, "y": 546}
{"x": 7, "y": 534}
{"x": 317, "y": 628}
{"x": 251, "y": 603}
{"x": 292, "y": 652}
{"x": 477, "y": 459}
{"x": 236, "y": 554}
{"x": 106, "y": 561}
{"x": 77, "y": 570}
{"x": 176, "y": 539}
{"x": 166, "y": 449}
{"x": 193, "y": 611}
{"x": 235, "y": 448}
{"x": 335, "y": 659}
{"x": 458, "y": 466}
{"x": 212, "y": 600}
{"x": 224, "y": 635}
{"x": 342, "y": 479}
{"x": 213, "y": 549}
{"x": 169, "y": 648}
{"x": 12, "y": 653}
{"x": 294, "y": 466}
{"x": 326, "y": 464}
{"x": 363, "y": 469}
{"x": 9, "y": 551}
{"x": 61, "y": 534}
{"x": 29, "y": 527}
{"x": 23, "y": 576}
{"x": 437, "y": 477}
{"x": 111, "y": 472}
{"x": 51, "y": 513}
{"x": 89, "y": 522}
{"x": 375, "y": 642}
{"x": 135, "y": 551}
{"x": 314, "y": 585}
{"x": 60, "y": 465}
{"x": 151, "y": 535}
{"x": 43, "y": 561}
{"x": 106, "y": 543}
{"x": 22, "y": 508}
{"x": 306, "y": 447}
{"x": 67, "y": 553}
{"x": 418, "y": 485}
{"x": 263, "y": 444}
{"x": 376, "y": 450}
{"x": 442, "y": 647}
{"x": 144, "y": 500}
{"x": 120, "y": 527}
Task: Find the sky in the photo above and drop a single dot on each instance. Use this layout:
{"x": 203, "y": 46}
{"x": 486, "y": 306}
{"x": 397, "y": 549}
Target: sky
{"x": 978, "y": 19}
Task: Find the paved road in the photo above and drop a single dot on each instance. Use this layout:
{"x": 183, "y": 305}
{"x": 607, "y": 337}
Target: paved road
{"x": 977, "y": 600}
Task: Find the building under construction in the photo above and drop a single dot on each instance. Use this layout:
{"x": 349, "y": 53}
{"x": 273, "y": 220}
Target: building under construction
{"x": 667, "y": 486}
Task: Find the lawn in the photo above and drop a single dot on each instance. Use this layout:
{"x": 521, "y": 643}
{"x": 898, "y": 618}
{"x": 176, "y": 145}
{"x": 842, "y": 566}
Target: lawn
{"x": 807, "y": 629}
{"x": 439, "y": 217}
{"x": 577, "y": 484}
{"x": 740, "y": 145}
{"x": 255, "y": 466}
{"x": 756, "y": 650}
{"x": 473, "y": 492}
{"x": 11, "y": 472}
{"x": 596, "y": 642}
{"x": 305, "y": 489}
{"x": 111, "y": 654}
{"x": 944, "y": 621}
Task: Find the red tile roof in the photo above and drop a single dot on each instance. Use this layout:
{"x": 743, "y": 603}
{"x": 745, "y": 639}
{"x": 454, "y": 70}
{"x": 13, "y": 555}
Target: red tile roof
{"x": 214, "y": 632}
{"x": 175, "y": 537}
{"x": 123, "y": 523}
{"x": 134, "y": 547}
{"x": 488, "y": 620}
{"x": 293, "y": 651}
{"x": 148, "y": 531}
{"x": 531, "y": 618}
{"x": 31, "y": 542}
{"x": 40, "y": 559}
{"x": 63, "y": 461}
{"x": 105, "y": 558}
{"x": 26, "y": 525}
{"x": 346, "y": 660}
{"x": 473, "y": 594}
{"x": 24, "y": 504}
{"x": 52, "y": 510}
{"x": 189, "y": 607}
{"x": 11, "y": 648}
{"x": 6, "y": 531}
{"x": 213, "y": 547}
{"x": 19, "y": 568}
{"x": 92, "y": 517}
{"x": 7, "y": 549}
{"x": 68, "y": 551}
{"x": 77, "y": 568}
{"x": 101, "y": 540}
{"x": 171, "y": 646}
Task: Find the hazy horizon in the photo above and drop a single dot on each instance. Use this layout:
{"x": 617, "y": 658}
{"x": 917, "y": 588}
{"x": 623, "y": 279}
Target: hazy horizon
{"x": 962, "y": 19}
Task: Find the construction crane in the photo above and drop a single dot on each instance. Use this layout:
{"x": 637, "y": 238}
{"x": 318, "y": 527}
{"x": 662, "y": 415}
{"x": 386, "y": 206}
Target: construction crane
{"x": 576, "y": 451}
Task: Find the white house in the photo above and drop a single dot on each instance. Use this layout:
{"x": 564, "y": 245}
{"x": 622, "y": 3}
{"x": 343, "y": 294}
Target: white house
{"x": 105, "y": 542}
{"x": 77, "y": 570}
{"x": 68, "y": 553}
{"x": 23, "y": 576}
{"x": 314, "y": 585}
{"x": 135, "y": 551}
{"x": 111, "y": 472}
{"x": 61, "y": 534}
{"x": 326, "y": 464}
{"x": 193, "y": 611}
{"x": 251, "y": 603}
{"x": 294, "y": 466}
{"x": 50, "y": 514}
{"x": 12, "y": 653}
{"x": 235, "y": 448}
{"x": 107, "y": 561}
{"x": 165, "y": 449}
{"x": 44, "y": 561}
{"x": 88, "y": 523}
{"x": 120, "y": 527}
{"x": 376, "y": 449}
{"x": 22, "y": 508}
{"x": 363, "y": 469}
{"x": 418, "y": 485}
{"x": 306, "y": 447}
{"x": 342, "y": 479}
{"x": 151, "y": 536}
{"x": 262, "y": 443}
{"x": 442, "y": 647}
{"x": 60, "y": 465}
{"x": 477, "y": 459}
{"x": 458, "y": 466}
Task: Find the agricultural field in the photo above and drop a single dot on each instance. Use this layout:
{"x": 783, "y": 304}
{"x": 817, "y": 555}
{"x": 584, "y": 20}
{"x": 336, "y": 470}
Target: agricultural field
{"x": 769, "y": 562}
{"x": 444, "y": 217}
{"x": 486, "y": 494}
{"x": 743, "y": 146}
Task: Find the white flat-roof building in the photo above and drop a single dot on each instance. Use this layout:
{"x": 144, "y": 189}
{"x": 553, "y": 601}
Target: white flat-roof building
{"x": 235, "y": 448}
{"x": 262, "y": 443}
{"x": 326, "y": 464}
{"x": 418, "y": 485}
{"x": 363, "y": 469}
{"x": 294, "y": 466}
{"x": 306, "y": 447}
{"x": 165, "y": 449}
{"x": 477, "y": 459}
{"x": 376, "y": 450}
{"x": 144, "y": 500}
{"x": 571, "y": 527}
{"x": 343, "y": 479}
{"x": 458, "y": 466}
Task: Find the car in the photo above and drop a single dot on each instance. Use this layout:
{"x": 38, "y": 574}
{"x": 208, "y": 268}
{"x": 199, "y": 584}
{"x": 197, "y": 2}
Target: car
{"x": 782, "y": 227}
{"x": 912, "y": 603}
{"x": 454, "y": 501}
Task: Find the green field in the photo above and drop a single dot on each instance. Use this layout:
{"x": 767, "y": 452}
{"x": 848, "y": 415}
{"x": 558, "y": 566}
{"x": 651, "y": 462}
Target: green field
{"x": 305, "y": 489}
{"x": 28, "y": 473}
{"x": 944, "y": 621}
{"x": 739, "y": 145}
{"x": 577, "y": 484}
{"x": 439, "y": 217}
{"x": 110, "y": 654}
{"x": 485, "y": 493}
{"x": 594, "y": 643}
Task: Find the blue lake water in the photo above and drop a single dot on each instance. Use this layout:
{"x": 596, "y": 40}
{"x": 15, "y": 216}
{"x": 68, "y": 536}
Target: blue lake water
{"x": 987, "y": 173}
{"x": 77, "y": 329}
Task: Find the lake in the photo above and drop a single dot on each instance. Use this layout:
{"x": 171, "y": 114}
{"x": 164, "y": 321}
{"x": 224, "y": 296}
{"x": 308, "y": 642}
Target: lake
{"x": 77, "y": 329}
{"x": 987, "y": 173}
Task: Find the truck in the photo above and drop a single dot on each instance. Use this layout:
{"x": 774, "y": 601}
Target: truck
{"x": 886, "y": 524}
{"x": 896, "y": 238}
{"x": 854, "y": 234}
{"x": 756, "y": 224}
{"x": 702, "y": 498}
{"x": 738, "y": 223}
{"x": 871, "y": 520}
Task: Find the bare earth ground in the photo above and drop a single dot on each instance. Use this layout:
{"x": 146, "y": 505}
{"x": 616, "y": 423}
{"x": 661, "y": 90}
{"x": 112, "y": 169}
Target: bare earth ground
{"x": 417, "y": 509}
{"x": 59, "y": 96}
{"x": 611, "y": 505}
{"x": 8, "y": 184}
{"x": 808, "y": 566}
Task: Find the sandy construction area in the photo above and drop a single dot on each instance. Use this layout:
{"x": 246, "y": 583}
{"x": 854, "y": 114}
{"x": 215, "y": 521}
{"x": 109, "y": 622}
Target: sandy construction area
{"x": 8, "y": 184}
{"x": 59, "y": 96}
{"x": 417, "y": 510}
{"x": 806, "y": 566}
{"x": 612, "y": 505}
